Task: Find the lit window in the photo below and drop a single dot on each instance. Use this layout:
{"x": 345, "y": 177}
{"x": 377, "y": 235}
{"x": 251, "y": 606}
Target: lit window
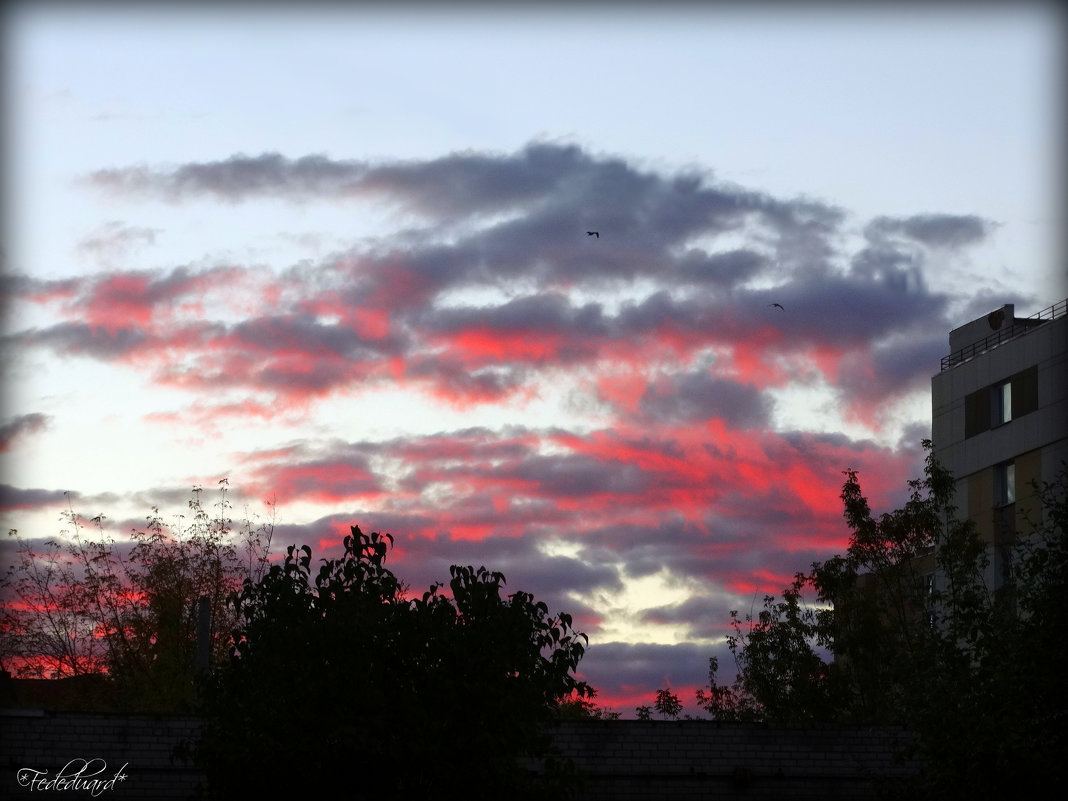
{"x": 1001, "y": 403}
{"x": 1005, "y": 483}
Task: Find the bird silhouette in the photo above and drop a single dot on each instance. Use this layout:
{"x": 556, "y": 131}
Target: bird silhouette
{"x": 594, "y": 233}
{"x": 778, "y": 305}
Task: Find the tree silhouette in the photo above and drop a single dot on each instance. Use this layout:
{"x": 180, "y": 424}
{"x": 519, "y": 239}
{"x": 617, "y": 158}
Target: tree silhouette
{"x": 431, "y": 694}
{"x": 668, "y": 704}
{"x": 126, "y": 607}
{"x": 975, "y": 674}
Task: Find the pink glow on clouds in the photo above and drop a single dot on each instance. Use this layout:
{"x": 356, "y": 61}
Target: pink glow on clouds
{"x": 323, "y": 483}
{"x": 682, "y": 471}
{"x": 827, "y": 361}
{"x": 118, "y": 303}
{"x": 477, "y": 347}
{"x": 623, "y": 390}
{"x": 750, "y": 358}
{"x": 372, "y": 323}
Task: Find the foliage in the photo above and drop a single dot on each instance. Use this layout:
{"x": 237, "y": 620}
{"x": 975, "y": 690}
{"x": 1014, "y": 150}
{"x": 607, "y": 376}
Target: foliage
{"x": 578, "y": 707}
{"x": 667, "y": 704}
{"x": 781, "y": 676}
{"x": 915, "y": 637}
{"x": 435, "y": 693}
{"x": 127, "y": 608}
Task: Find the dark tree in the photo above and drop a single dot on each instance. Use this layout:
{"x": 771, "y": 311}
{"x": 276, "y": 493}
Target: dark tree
{"x": 338, "y": 674}
{"x": 667, "y": 704}
{"x": 582, "y": 707}
{"x": 904, "y": 630}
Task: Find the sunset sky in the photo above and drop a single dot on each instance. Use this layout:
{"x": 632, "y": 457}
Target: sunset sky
{"x": 340, "y": 257}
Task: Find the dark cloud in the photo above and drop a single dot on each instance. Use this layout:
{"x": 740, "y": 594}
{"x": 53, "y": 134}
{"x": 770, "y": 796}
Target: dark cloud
{"x": 581, "y": 476}
{"x": 892, "y": 369}
{"x": 26, "y": 499}
{"x": 933, "y": 230}
{"x": 456, "y": 382}
{"x": 21, "y": 426}
{"x": 633, "y": 672}
{"x": 490, "y": 292}
{"x": 840, "y": 310}
{"x": 551, "y": 194}
{"x": 725, "y": 269}
{"x": 235, "y": 178}
{"x": 696, "y": 396}
{"x": 525, "y": 566}
{"x": 82, "y": 339}
{"x": 985, "y": 301}
{"x": 670, "y": 544}
{"x": 539, "y": 315}
{"x": 517, "y": 221}
{"x": 702, "y": 615}
{"x": 472, "y": 183}
{"x": 304, "y": 335}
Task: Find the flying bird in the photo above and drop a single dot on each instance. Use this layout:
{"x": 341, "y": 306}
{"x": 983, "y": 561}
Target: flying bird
{"x": 594, "y": 233}
{"x": 778, "y": 305}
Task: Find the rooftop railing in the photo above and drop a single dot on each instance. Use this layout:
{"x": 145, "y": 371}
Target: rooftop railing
{"x": 1019, "y": 327}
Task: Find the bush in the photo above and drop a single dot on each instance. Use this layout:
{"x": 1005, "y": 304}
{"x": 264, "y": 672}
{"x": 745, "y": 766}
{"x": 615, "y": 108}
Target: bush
{"x": 338, "y": 670}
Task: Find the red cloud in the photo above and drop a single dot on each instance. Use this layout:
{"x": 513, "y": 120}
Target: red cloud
{"x": 479, "y": 346}
{"x": 324, "y": 482}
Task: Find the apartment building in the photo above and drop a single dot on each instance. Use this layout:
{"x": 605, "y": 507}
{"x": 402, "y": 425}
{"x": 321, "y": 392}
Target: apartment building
{"x": 1000, "y": 420}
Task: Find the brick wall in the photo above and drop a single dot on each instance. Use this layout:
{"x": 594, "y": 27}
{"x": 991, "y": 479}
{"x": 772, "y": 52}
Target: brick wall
{"x": 148, "y": 746}
{"x": 626, "y": 759}
{"x": 700, "y": 759}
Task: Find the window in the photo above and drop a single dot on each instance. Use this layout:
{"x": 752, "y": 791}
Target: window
{"x": 976, "y": 413}
{"x": 1005, "y": 483}
{"x": 1001, "y": 403}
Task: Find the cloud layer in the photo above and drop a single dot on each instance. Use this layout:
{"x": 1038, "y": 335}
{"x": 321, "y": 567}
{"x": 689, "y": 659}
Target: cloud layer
{"x": 667, "y": 492}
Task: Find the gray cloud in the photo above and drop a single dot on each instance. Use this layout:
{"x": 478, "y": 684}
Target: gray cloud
{"x": 703, "y": 615}
{"x": 536, "y": 315}
{"x": 21, "y": 426}
{"x": 235, "y": 178}
{"x": 116, "y": 238}
{"x": 575, "y": 475}
{"x": 83, "y": 339}
{"x": 302, "y": 333}
{"x": 517, "y": 221}
{"x": 617, "y": 669}
{"x": 695, "y": 396}
{"x": 890, "y": 370}
{"x": 933, "y": 230}
{"x": 647, "y": 549}
{"x": 492, "y": 286}
{"x": 17, "y": 498}
{"x": 723, "y": 269}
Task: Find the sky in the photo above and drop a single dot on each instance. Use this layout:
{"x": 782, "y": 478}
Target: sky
{"x": 340, "y": 257}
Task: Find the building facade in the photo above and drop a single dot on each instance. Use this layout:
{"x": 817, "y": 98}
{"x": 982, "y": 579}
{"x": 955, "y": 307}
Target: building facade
{"x": 1000, "y": 420}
